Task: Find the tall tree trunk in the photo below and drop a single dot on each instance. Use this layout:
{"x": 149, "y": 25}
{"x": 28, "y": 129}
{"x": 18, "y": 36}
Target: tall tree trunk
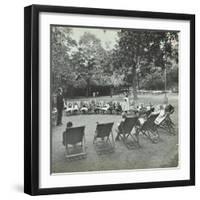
{"x": 138, "y": 82}
{"x": 134, "y": 83}
{"x": 88, "y": 88}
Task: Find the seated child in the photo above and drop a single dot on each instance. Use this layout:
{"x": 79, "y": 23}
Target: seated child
{"x": 169, "y": 109}
{"x": 54, "y": 115}
{"x": 97, "y": 109}
{"x": 105, "y": 107}
{"x": 145, "y": 113}
{"x": 75, "y": 108}
{"x": 84, "y": 109}
{"x": 118, "y": 108}
{"x": 54, "y": 110}
{"x": 69, "y": 108}
{"x": 149, "y": 106}
{"x": 69, "y": 125}
{"x": 111, "y": 107}
{"x": 141, "y": 120}
{"x": 149, "y": 109}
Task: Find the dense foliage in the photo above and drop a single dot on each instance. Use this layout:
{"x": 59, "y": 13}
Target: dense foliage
{"x": 140, "y": 59}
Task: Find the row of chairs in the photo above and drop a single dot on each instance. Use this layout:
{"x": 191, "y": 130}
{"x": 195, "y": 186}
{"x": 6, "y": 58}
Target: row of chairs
{"x": 74, "y": 138}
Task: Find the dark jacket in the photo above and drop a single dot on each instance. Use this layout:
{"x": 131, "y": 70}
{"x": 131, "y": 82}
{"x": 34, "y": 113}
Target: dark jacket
{"x": 60, "y": 101}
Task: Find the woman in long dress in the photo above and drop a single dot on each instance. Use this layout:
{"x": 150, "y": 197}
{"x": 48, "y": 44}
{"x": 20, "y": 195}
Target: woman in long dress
{"x": 125, "y": 105}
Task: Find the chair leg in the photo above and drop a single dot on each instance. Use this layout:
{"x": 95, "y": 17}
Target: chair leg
{"x": 67, "y": 150}
{"x": 95, "y": 134}
{"x": 173, "y": 130}
{"x": 135, "y": 139}
{"x": 138, "y": 140}
{"x": 113, "y": 141}
{"x": 156, "y": 136}
{"x": 84, "y": 144}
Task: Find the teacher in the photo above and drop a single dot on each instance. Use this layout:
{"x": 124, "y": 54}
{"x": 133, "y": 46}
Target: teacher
{"x": 60, "y": 106}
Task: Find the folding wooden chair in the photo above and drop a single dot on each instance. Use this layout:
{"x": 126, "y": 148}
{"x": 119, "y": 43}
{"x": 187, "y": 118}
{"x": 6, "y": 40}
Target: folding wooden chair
{"x": 149, "y": 129}
{"x": 74, "y": 142}
{"x": 102, "y": 142}
{"x": 126, "y": 134}
{"x": 167, "y": 124}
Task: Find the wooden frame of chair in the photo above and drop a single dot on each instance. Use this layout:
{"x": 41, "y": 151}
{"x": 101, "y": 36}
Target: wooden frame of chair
{"x": 73, "y": 136}
{"x": 126, "y": 131}
{"x": 149, "y": 129}
{"x": 168, "y": 125}
{"x": 103, "y": 132}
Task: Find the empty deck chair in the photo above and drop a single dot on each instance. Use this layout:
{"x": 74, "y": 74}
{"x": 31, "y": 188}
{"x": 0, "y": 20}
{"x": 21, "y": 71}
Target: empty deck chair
{"x": 74, "y": 142}
{"x": 125, "y": 132}
{"x": 149, "y": 128}
{"x": 103, "y": 139}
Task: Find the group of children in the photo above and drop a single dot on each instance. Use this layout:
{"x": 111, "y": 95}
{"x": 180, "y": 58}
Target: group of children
{"x": 143, "y": 113}
{"x": 95, "y": 107}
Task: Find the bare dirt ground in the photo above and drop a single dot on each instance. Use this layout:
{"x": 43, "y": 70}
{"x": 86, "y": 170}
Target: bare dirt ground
{"x": 160, "y": 155}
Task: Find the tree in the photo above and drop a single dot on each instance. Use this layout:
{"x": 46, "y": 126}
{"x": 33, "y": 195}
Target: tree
{"x": 139, "y": 58}
{"x": 61, "y": 45}
{"x": 88, "y": 59}
{"x": 131, "y": 48}
{"x": 136, "y": 49}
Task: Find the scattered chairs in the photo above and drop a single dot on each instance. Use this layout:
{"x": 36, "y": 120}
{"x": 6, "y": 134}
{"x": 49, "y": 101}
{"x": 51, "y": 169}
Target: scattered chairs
{"x": 102, "y": 141}
{"x": 74, "y": 142}
{"x": 74, "y": 138}
{"x": 125, "y": 132}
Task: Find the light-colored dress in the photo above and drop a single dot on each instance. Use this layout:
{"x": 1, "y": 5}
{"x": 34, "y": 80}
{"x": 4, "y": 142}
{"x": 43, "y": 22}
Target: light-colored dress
{"x": 85, "y": 109}
{"x": 106, "y": 107}
{"x": 160, "y": 117}
{"x": 125, "y": 105}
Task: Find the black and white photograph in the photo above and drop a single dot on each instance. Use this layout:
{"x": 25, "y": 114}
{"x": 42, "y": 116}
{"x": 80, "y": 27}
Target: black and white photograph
{"x": 114, "y": 99}
{"x": 109, "y": 100}
{"x": 98, "y": 100}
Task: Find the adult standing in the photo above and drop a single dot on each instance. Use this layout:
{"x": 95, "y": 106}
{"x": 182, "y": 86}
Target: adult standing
{"x": 60, "y": 106}
{"x": 126, "y": 106}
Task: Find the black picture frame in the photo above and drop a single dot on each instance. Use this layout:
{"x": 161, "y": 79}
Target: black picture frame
{"x": 31, "y": 98}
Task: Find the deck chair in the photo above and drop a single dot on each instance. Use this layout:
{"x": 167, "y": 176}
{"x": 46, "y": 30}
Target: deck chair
{"x": 102, "y": 141}
{"x": 149, "y": 129}
{"x": 167, "y": 125}
{"x": 125, "y": 132}
{"x": 74, "y": 142}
